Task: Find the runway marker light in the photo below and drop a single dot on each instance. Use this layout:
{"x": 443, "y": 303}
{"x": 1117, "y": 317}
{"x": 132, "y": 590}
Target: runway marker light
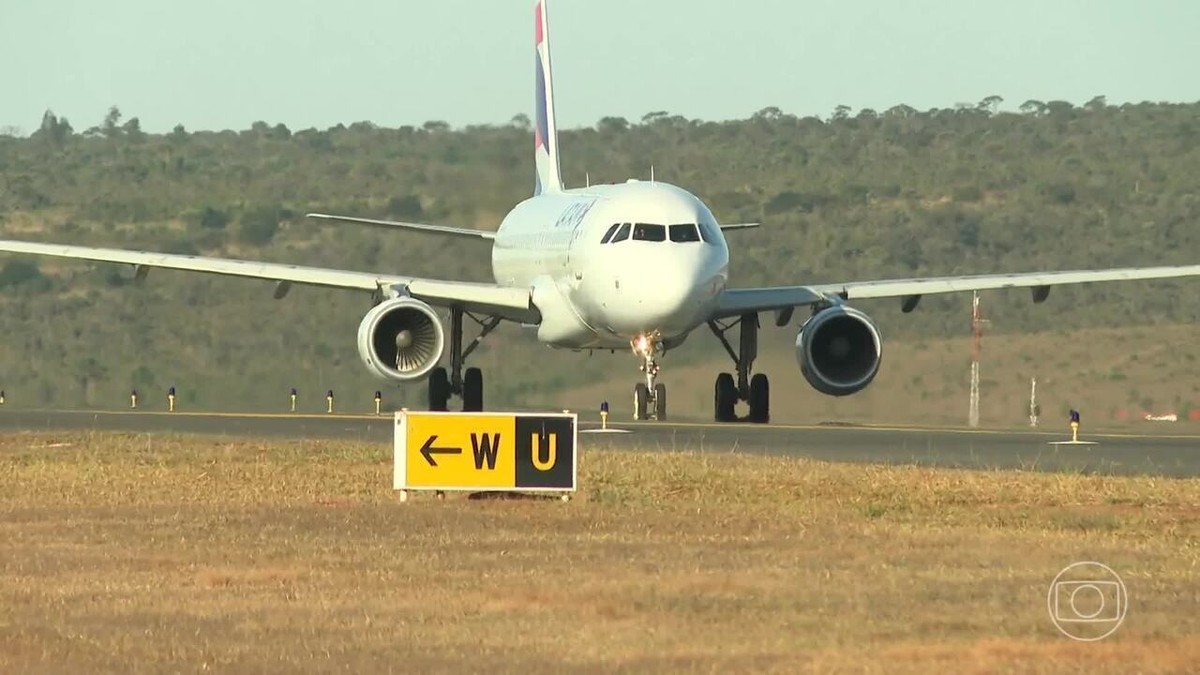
{"x": 171, "y": 399}
{"x": 378, "y": 401}
{"x": 293, "y": 398}
{"x": 133, "y": 398}
{"x": 1, "y": 397}
{"x": 329, "y": 401}
{"x": 1074, "y": 425}
{"x": 604, "y": 414}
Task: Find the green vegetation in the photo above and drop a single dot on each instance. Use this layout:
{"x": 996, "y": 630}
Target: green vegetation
{"x": 895, "y": 193}
{"x": 19, "y": 271}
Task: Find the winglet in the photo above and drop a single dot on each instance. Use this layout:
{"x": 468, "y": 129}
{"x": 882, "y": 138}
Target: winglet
{"x": 545, "y": 133}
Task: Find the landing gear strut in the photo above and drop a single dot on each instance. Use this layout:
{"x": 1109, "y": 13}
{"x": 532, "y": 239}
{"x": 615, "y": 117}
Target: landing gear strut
{"x": 756, "y": 390}
{"x": 649, "y": 398}
{"x": 469, "y": 383}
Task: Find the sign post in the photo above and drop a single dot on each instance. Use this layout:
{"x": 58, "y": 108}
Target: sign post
{"x": 482, "y": 452}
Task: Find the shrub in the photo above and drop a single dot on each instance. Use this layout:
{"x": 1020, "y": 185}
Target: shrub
{"x": 19, "y": 271}
{"x": 259, "y": 225}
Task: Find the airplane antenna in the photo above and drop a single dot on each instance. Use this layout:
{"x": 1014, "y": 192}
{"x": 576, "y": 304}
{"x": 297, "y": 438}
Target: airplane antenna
{"x": 587, "y": 177}
{"x": 651, "y": 173}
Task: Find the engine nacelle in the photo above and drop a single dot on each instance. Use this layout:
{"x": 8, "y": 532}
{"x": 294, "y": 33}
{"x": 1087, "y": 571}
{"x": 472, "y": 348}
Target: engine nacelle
{"x": 839, "y": 350}
{"x": 401, "y": 339}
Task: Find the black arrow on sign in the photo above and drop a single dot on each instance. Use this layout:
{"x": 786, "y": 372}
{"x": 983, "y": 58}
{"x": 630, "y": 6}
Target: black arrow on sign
{"x": 428, "y": 451}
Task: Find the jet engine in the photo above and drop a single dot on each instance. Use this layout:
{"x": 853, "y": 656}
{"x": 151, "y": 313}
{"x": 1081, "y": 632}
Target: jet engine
{"x": 401, "y": 339}
{"x": 839, "y": 350}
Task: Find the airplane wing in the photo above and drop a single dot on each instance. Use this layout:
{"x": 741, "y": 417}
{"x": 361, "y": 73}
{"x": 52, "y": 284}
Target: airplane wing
{"x": 743, "y": 300}
{"x": 513, "y": 304}
{"x": 395, "y": 224}
{"x": 738, "y": 226}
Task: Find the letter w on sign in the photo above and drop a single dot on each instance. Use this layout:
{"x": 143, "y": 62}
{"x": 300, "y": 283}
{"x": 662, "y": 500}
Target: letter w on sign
{"x": 485, "y": 447}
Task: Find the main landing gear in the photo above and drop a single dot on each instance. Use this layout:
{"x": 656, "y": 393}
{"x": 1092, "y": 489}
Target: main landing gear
{"x": 756, "y": 390}
{"x": 649, "y": 398}
{"x": 469, "y": 383}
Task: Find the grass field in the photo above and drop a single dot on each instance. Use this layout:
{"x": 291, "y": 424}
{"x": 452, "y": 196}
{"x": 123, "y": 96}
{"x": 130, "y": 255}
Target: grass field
{"x": 137, "y": 553}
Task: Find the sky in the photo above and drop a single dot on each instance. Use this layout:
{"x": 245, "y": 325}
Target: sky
{"x": 224, "y": 64}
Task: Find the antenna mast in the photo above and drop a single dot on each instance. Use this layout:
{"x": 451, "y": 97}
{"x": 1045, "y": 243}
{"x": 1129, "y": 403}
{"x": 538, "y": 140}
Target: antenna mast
{"x": 1033, "y": 406}
{"x": 976, "y": 350}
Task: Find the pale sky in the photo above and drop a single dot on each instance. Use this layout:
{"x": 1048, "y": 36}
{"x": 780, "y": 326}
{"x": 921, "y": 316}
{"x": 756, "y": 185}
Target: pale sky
{"x": 223, "y": 64}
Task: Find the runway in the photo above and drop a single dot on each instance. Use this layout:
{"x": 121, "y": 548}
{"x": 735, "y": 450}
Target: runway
{"x": 1118, "y": 454}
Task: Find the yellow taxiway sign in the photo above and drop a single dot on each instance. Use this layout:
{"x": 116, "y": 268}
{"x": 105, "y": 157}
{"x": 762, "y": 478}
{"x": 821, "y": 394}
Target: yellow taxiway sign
{"x": 485, "y": 451}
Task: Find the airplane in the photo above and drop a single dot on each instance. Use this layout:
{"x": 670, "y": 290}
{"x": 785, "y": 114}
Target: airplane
{"x": 636, "y": 265}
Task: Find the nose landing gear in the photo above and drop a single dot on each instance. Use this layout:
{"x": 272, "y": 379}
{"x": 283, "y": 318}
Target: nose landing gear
{"x": 649, "y": 397}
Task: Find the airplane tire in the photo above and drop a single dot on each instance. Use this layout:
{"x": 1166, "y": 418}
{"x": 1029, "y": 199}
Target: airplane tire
{"x": 760, "y": 399}
{"x": 641, "y": 398}
{"x": 472, "y": 390}
{"x": 439, "y": 389}
{"x": 660, "y": 402}
{"x": 724, "y": 399}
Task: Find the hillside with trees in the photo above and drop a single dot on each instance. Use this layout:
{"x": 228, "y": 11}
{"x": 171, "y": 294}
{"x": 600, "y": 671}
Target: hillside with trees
{"x": 866, "y": 194}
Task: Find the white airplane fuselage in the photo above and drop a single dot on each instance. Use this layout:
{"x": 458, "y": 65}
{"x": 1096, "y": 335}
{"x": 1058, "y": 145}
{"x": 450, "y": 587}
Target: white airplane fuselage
{"x": 604, "y": 295}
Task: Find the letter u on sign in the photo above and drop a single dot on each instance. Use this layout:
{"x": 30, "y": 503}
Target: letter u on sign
{"x": 545, "y": 452}
{"x": 551, "y": 451}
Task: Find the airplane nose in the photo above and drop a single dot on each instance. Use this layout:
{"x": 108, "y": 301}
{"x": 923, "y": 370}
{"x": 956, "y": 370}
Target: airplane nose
{"x": 662, "y": 300}
{"x": 667, "y": 293}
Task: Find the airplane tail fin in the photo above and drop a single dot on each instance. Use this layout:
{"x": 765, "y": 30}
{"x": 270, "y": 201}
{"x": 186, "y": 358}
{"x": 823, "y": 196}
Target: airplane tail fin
{"x": 545, "y": 133}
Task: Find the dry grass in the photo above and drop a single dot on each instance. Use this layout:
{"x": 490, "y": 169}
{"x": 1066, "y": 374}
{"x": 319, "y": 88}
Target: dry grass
{"x": 133, "y": 553}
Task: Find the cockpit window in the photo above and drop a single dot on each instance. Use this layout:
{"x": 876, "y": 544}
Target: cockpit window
{"x": 684, "y": 233}
{"x": 709, "y": 232}
{"x": 611, "y": 231}
{"x": 622, "y": 233}
{"x": 648, "y": 232}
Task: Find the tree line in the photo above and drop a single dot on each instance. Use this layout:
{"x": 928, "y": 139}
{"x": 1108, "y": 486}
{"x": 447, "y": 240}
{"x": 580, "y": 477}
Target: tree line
{"x": 852, "y": 195}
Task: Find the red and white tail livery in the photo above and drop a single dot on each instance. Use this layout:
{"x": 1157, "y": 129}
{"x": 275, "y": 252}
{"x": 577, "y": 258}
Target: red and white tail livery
{"x": 545, "y": 133}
